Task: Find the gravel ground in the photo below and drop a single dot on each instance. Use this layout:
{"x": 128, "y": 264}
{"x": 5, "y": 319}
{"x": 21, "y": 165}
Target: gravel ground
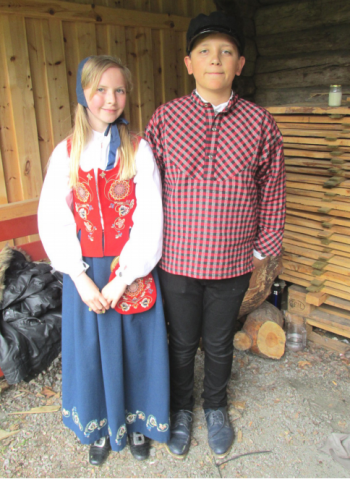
{"x": 288, "y": 407}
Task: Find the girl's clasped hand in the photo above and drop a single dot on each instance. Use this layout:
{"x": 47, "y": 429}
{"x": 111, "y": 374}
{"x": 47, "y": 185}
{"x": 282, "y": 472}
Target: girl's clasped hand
{"x": 99, "y": 301}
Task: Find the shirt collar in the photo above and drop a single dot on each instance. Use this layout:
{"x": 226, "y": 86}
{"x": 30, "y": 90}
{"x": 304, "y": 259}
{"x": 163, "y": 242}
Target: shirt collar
{"x": 223, "y": 107}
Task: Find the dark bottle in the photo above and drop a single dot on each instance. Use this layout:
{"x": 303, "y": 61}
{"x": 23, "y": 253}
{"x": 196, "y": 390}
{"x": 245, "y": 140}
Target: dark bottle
{"x": 275, "y": 297}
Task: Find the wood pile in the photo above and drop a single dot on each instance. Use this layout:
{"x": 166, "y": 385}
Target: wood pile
{"x": 317, "y": 232}
{"x": 332, "y": 316}
{"x": 262, "y": 332}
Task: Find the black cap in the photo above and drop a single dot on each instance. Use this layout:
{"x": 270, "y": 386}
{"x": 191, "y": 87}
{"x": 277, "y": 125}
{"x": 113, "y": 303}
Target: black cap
{"x": 215, "y": 22}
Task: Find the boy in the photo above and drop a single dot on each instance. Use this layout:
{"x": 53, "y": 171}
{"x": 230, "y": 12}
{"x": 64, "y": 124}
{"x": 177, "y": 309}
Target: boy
{"x": 222, "y": 168}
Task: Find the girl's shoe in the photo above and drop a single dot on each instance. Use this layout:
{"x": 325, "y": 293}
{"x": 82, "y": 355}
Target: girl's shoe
{"x": 99, "y": 451}
{"x": 139, "y": 446}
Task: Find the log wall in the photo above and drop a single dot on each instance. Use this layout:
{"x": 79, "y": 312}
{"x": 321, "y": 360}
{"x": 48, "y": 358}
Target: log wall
{"x": 244, "y": 85}
{"x": 41, "y": 44}
{"x": 303, "y": 47}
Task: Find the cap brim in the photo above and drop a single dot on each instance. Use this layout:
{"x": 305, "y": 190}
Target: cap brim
{"x": 213, "y": 30}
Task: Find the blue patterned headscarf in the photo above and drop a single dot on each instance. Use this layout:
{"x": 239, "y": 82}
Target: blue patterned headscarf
{"x": 115, "y": 138}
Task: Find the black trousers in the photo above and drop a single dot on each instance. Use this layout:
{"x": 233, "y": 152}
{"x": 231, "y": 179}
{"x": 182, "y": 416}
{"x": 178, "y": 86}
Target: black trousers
{"x": 198, "y": 308}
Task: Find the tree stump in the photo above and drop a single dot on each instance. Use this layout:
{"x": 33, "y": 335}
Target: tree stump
{"x": 262, "y": 333}
{"x": 260, "y": 284}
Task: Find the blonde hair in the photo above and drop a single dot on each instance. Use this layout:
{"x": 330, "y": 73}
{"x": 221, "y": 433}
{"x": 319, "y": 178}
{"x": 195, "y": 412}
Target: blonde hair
{"x": 90, "y": 77}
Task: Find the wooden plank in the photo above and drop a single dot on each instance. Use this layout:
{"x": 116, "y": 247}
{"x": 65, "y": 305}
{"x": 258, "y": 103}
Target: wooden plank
{"x": 328, "y": 317}
{"x": 319, "y": 119}
{"x": 22, "y": 106}
{"x": 143, "y": 45}
{"x": 333, "y": 205}
{"x": 331, "y": 128}
{"x": 327, "y": 343}
{"x": 35, "y": 250}
{"x": 315, "y": 154}
{"x": 308, "y": 110}
{"x": 317, "y": 225}
{"x": 332, "y": 245}
{"x": 72, "y": 61}
{"x": 314, "y": 163}
{"x": 86, "y": 40}
{"x": 169, "y": 64}
{"x": 316, "y": 299}
{"x": 298, "y": 185}
{"x": 159, "y": 89}
{"x": 316, "y": 141}
{"x": 338, "y": 312}
{"x": 12, "y": 176}
{"x": 304, "y": 281}
{"x": 56, "y": 81}
{"x": 134, "y": 98}
{"x": 327, "y": 196}
{"x": 338, "y": 303}
{"x": 311, "y": 263}
{"x": 334, "y": 215}
{"x": 328, "y": 327}
{"x": 3, "y": 192}
{"x": 321, "y": 249}
{"x": 340, "y": 279}
{"x": 19, "y": 209}
{"x": 183, "y": 83}
{"x": 296, "y": 16}
{"x": 111, "y": 41}
{"x": 315, "y": 256}
{"x": 311, "y": 40}
{"x": 40, "y": 92}
{"x": 93, "y": 14}
{"x": 322, "y": 133}
{"x": 79, "y": 42}
{"x": 18, "y": 227}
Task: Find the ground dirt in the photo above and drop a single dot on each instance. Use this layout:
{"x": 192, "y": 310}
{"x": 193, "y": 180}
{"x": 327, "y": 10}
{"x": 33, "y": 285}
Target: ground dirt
{"x": 287, "y": 407}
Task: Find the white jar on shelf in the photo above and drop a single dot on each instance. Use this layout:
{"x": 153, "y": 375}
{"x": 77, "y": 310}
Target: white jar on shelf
{"x": 335, "y": 94}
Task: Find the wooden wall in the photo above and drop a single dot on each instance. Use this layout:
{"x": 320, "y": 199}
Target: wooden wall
{"x": 244, "y": 85}
{"x": 303, "y": 47}
{"x": 41, "y": 44}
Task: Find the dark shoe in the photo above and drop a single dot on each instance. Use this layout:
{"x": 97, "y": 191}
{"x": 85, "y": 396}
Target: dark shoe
{"x": 220, "y": 432}
{"x": 180, "y": 433}
{"x": 99, "y": 451}
{"x": 139, "y": 446}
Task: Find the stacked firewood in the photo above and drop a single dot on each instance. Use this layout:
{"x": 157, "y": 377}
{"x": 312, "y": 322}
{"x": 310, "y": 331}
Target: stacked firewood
{"x": 317, "y": 233}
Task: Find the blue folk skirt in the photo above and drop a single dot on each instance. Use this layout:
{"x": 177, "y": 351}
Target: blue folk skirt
{"x": 115, "y": 371}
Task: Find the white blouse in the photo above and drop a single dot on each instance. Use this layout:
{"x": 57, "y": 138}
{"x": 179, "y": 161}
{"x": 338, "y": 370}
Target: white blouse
{"x": 57, "y": 227}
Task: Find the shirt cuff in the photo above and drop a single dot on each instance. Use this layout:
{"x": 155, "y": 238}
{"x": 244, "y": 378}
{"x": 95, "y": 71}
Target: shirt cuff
{"x": 258, "y": 255}
{"x": 81, "y": 267}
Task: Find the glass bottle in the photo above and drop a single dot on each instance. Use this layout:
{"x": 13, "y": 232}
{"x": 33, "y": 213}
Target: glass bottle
{"x": 335, "y": 94}
{"x": 275, "y": 297}
{"x": 295, "y": 336}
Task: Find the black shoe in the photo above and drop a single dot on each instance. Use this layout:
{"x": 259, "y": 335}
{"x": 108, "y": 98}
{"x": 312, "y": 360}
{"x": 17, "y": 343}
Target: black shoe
{"x": 180, "y": 433}
{"x": 139, "y": 446}
{"x": 99, "y": 451}
{"x": 220, "y": 432}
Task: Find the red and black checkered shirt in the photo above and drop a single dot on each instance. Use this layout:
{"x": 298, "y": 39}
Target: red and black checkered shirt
{"x": 223, "y": 185}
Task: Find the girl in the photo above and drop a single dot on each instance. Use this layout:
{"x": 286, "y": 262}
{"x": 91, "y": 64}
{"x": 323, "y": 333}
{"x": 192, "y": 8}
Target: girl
{"x": 103, "y": 183}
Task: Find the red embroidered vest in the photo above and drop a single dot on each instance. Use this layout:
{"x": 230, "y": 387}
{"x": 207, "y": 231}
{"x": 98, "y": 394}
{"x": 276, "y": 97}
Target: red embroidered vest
{"x": 118, "y": 203}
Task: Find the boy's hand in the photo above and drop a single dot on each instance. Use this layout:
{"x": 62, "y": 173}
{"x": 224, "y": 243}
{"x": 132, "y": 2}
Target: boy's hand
{"x": 90, "y": 294}
{"x": 113, "y": 291}
{"x": 258, "y": 262}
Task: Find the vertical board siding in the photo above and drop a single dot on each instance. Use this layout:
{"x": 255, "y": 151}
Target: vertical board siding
{"x": 144, "y": 76}
{"x": 28, "y": 180}
{"x": 39, "y": 56}
{"x": 56, "y": 80}
{"x": 36, "y": 52}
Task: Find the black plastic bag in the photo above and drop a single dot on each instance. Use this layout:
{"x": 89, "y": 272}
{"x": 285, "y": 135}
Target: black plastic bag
{"x": 30, "y": 318}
